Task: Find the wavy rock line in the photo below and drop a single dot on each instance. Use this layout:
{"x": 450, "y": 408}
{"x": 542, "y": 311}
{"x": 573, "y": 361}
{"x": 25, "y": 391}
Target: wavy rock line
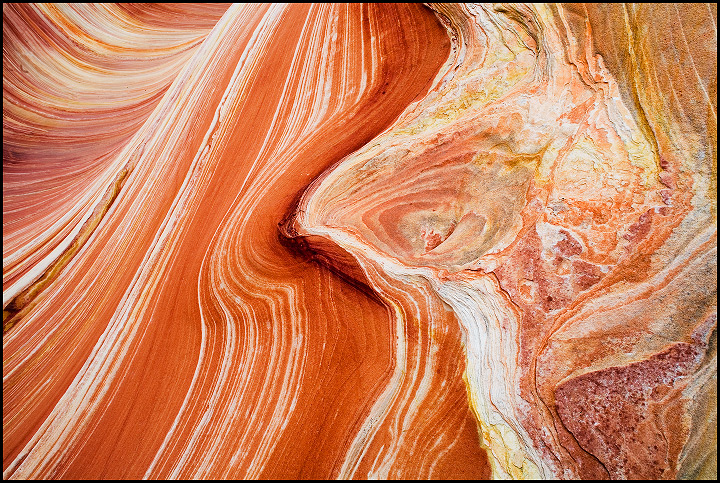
{"x": 530, "y": 197}
{"x": 359, "y": 241}
{"x": 184, "y": 339}
{"x": 78, "y": 82}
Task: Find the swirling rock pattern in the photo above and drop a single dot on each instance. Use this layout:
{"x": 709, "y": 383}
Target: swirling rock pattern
{"x": 359, "y": 241}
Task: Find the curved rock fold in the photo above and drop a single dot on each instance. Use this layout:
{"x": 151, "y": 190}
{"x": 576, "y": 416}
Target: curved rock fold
{"x": 359, "y": 241}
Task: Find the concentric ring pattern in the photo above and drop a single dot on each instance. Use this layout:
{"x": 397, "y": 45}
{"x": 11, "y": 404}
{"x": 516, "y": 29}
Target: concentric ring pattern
{"x": 359, "y": 241}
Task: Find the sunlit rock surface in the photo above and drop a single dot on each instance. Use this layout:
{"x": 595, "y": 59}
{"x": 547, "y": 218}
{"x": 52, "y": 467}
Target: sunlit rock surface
{"x": 359, "y": 241}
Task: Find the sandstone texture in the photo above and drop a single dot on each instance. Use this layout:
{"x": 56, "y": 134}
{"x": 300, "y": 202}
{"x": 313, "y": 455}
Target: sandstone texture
{"x": 360, "y": 241}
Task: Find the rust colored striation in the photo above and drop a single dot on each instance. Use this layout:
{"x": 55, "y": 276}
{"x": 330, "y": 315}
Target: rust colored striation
{"x": 565, "y": 211}
{"x": 359, "y": 241}
{"x": 166, "y": 331}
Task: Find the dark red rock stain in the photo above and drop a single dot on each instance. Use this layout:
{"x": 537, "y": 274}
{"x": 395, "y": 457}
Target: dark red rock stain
{"x": 585, "y": 274}
{"x": 639, "y": 230}
{"x": 568, "y": 246}
{"x": 611, "y": 412}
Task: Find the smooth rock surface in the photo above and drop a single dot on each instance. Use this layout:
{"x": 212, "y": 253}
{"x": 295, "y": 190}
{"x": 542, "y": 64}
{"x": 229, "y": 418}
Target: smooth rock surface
{"x": 360, "y": 241}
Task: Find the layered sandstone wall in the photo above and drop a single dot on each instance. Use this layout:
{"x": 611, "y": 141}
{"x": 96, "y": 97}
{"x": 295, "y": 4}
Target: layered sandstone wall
{"x": 359, "y": 241}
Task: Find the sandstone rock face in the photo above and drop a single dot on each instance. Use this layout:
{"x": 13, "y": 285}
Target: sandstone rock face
{"x": 360, "y": 241}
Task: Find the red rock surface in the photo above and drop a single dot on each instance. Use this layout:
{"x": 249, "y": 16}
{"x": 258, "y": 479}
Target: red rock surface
{"x": 359, "y": 241}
